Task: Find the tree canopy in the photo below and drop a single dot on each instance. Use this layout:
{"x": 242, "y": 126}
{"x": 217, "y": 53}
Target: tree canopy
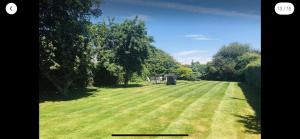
{"x": 229, "y": 61}
{"x": 159, "y": 62}
{"x": 64, "y": 43}
{"x": 124, "y": 48}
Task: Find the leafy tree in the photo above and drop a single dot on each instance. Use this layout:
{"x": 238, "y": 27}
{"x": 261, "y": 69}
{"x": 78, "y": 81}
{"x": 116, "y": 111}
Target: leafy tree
{"x": 245, "y": 59}
{"x": 64, "y": 45}
{"x": 232, "y": 51}
{"x": 185, "y": 73}
{"x": 132, "y": 50}
{"x": 199, "y": 69}
{"x": 159, "y": 62}
{"x": 125, "y": 48}
{"x": 106, "y": 69}
{"x": 211, "y": 72}
{"x": 242, "y": 63}
{"x": 224, "y": 63}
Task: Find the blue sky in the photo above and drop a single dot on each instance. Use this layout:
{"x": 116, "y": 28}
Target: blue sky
{"x": 192, "y": 29}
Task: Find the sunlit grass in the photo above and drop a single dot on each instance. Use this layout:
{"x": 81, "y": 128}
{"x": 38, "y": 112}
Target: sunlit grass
{"x": 202, "y": 109}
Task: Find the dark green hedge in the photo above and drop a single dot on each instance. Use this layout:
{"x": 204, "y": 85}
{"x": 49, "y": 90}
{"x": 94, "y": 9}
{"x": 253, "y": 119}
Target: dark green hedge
{"x": 253, "y": 74}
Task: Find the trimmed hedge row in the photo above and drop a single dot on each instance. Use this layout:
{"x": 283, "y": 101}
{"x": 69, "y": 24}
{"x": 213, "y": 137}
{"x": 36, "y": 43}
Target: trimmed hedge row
{"x": 253, "y": 74}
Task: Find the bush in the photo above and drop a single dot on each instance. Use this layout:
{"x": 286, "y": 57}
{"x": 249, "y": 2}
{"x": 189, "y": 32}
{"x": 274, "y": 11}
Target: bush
{"x": 105, "y": 77}
{"x": 137, "y": 78}
{"x": 185, "y": 73}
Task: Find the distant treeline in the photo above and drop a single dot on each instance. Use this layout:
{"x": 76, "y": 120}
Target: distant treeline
{"x": 75, "y": 53}
{"x": 234, "y": 62}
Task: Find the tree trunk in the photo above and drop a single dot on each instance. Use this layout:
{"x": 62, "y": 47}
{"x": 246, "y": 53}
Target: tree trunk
{"x": 63, "y": 90}
{"x": 126, "y": 79}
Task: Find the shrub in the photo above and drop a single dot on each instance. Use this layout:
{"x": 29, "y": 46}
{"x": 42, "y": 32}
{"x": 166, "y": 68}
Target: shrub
{"x": 105, "y": 77}
{"x": 185, "y": 73}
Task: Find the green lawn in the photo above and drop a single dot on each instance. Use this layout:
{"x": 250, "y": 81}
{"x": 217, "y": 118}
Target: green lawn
{"x": 202, "y": 109}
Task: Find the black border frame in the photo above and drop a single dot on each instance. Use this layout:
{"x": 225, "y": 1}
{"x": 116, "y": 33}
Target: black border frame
{"x": 19, "y": 62}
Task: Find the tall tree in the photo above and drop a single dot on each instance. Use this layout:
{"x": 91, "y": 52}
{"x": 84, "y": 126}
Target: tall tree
{"x": 224, "y": 63}
{"x": 125, "y": 48}
{"x": 133, "y": 49}
{"x": 64, "y": 44}
{"x": 106, "y": 69}
{"x": 160, "y": 62}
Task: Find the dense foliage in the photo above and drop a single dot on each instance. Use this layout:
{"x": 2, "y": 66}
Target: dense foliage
{"x": 64, "y": 42}
{"x": 123, "y": 51}
{"x": 159, "y": 62}
{"x": 234, "y": 62}
{"x": 230, "y": 61}
{"x": 199, "y": 70}
{"x": 253, "y": 74}
{"x": 185, "y": 73}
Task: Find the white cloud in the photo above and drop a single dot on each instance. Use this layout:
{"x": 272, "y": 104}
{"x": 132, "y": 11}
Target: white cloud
{"x": 188, "y": 60}
{"x": 188, "y": 8}
{"x": 190, "y": 52}
{"x": 186, "y": 57}
{"x": 199, "y": 37}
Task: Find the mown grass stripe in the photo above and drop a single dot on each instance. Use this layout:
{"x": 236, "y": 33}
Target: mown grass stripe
{"x": 110, "y": 114}
{"x": 92, "y": 100}
{"x": 208, "y": 111}
{"x": 129, "y": 97}
{"x": 205, "y": 109}
{"x": 190, "y": 111}
{"x": 133, "y": 119}
{"x": 223, "y": 118}
{"x": 188, "y": 99}
{"x": 119, "y": 103}
{"x": 133, "y": 112}
{"x": 244, "y": 110}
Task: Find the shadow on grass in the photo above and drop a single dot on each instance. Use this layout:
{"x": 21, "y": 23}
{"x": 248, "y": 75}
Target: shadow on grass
{"x": 237, "y": 98}
{"x": 121, "y": 86}
{"x": 73, "y": 95}
{"x": 79, "y": 93}
{"x": 252, "y": 123}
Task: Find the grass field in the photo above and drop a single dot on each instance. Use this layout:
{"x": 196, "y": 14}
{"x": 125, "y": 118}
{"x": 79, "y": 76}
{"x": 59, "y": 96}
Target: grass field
{"x": 202, "y": 109}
